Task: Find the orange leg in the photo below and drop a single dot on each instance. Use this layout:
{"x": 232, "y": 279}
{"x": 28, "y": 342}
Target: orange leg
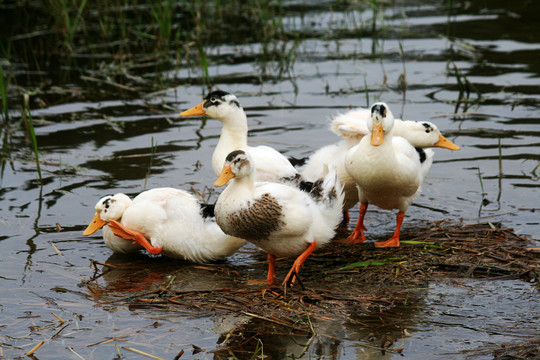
{"x": 394, "y": 240}
{"x": 128, "y": 234}
{"x": 271, "y": 277}
{"x": 299, "y": 262}
{"x": 357, "y": 236}
{"x": 346, "y": 218}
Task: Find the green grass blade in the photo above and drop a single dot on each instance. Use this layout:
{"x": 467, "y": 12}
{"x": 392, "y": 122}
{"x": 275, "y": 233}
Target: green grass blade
{"x": 152, "y": 152}
{"x": 73, "y": 27}
{"x": 204, "y": 68}
{"x": 3, "y": 94}
{"x": 33, "y": 139}
{"x": 427, "y": 245}
{"x": 364, "y": 264}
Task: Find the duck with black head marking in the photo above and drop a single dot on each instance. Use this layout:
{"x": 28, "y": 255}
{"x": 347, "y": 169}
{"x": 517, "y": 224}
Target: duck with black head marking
{"x": 225, "y": 107}
{"x": 388, "y": 170}
{"x": 280, "y": 219}
{"x": 162, "y": 220}
{"x": 352, "y": 127}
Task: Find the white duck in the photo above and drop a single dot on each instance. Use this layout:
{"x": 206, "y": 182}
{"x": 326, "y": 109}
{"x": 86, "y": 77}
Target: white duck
{"x": 352, "y": 126}
{"x": 387, "y": 169}
{"x": 162, "y": 220}
{"x": 280, "y": 219}
{"x": 225, "y": 107}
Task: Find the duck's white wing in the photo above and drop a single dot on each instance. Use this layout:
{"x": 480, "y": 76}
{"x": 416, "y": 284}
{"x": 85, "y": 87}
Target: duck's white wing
{"x": 426, "y": 162}
{"x": 403, "y": 148}
{"x": 271, "y": 165}
{"x": 172, "y": 219}
{"x": 351, "y": 124}
{"x": 162, "y": 195}
{"x": 314, "y": 169}
{"x": 413, "y": 162}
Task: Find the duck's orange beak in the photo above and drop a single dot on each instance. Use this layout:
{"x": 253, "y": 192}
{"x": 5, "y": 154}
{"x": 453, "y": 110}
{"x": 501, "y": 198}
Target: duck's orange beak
{"x": 224, "y": 177}
{"x": 377, "y": 135}
{"x": 196, "y": 110}
{"x": 95, "y": 225}
{"x": 445, "y": 143}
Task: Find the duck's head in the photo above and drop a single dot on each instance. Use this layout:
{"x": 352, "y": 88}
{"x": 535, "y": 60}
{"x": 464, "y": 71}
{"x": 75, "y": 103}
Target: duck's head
{"x": 380, "y": 122}
{"x": 218, "y": 104}
{"x": 110, "y": 207}
{"x": 433, "y": 137}
{"x": 238, "y": 164}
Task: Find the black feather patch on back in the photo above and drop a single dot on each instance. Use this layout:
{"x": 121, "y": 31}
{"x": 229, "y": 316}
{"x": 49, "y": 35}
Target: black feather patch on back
{"x": 297, "y": 162}
{"x": 207, "y": 210}
{"x": 305, "y": 186}
{"x": 421, "y": 154}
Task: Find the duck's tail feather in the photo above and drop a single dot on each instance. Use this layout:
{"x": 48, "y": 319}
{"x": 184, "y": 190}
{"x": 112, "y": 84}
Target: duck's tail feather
{"x": 328, "y": 192}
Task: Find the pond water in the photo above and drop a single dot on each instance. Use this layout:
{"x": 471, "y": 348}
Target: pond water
{"x": 470, "y": 67}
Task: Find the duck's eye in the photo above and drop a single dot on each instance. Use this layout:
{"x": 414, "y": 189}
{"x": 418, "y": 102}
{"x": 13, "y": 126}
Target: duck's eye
{"x": 213, "y": 99}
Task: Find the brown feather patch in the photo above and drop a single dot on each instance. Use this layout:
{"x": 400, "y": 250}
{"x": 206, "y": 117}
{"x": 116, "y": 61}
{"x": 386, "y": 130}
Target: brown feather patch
{"x": 257, "y": 222}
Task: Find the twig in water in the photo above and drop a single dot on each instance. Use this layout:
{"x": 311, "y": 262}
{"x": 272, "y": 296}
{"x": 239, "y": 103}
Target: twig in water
{"x": 73, "y": 351}
{"x": 94, "y": 262}
{"x": 142, "y": 353}
{"x": 117, "y": 338}
{"x": 34, "y": 349}
{"x": 109, "y": 82}
{"x": 118, "y": 351}
{"x": 57, "y": 250}
{"x": 59, "y": 331}
{"x": 58, "y": 317}
{"x": 179, "y": 355}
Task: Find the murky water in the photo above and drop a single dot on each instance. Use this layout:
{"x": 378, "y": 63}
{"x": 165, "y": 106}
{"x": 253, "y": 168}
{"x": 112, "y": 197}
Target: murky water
{"x": 94, "y": 144}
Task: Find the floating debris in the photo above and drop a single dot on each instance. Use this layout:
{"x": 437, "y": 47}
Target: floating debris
{"x": 341, "y": 277}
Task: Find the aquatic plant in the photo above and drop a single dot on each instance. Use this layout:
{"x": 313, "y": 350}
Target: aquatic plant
{"x": 3, "y": 93}
{"x": 484, "y": 201}
{"x": 27, "y": 118}
{"x": 163, "y": 17}
{"x": 402, "y": 79}
{"x": 153, "y": 149}
{"x": 66, "y": 23}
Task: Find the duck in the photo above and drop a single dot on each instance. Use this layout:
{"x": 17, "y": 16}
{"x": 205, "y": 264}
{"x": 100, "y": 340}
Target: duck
{"x": 225, "y": 107}
{"x": 278, "y": 218}
{"x": 388, "y": 170}
{"x": 167, "y": 221}
{"x": 352, "y": 127}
